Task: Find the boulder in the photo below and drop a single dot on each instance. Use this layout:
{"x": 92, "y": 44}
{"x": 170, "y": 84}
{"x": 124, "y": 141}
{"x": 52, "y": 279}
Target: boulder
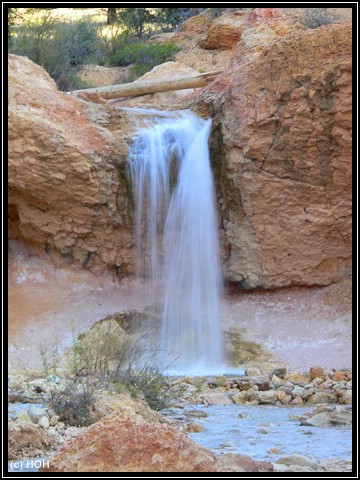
{"x": 296, "y": 459}
{"x": 36, "y": 413}
{"x": 262, "y": 382}
{"x": 332, "y": 417}
{"x": 264, "y": 398}
{"x": 318, "y": 372}
{"x": 297, "y": 401}
{"x": 326, "y": 396}
{"x": 195, "y": 25}
{"x": 215, "y": 398}
{"x": 345, "y": 397}
{"x": 338, "y": 376}
{"x": 68, "y": 191}
{"x": 224, "y": 32}
{"x": 118, "y": 444}
{"x": 240, "y": 397}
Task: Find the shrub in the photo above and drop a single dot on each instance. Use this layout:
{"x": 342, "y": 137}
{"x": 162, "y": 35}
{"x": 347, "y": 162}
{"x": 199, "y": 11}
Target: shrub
{"x": 150, "y": 383}
{"x": 143, "y": 56}
{"x": 172, "y": 18}
{"x": 73, "y": 403}
{"x": 114, "y": 353}
{"x": 105, "y": 350}
{"x": 50, "y": 358}
{"x": 316, "y": 17}
{"x": 58, "y": 47}
{"x": 68, "y": 81}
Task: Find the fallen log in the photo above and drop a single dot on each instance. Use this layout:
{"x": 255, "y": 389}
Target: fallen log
{"x": 135, "y": 89}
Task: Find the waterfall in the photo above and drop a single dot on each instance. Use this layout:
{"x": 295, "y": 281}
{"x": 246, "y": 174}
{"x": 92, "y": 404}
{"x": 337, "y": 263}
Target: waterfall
{"x": 177, "y": 236}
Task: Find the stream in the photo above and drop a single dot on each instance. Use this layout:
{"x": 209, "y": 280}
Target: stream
{"x": 266, "y": 432}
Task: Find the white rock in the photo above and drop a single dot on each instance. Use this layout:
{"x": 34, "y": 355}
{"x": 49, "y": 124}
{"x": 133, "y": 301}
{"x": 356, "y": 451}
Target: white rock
{"x": 276, "y": 381}
{"x": 298, "y": 391}
{"x": 280, "y": 467}
{"x": 72, "y": 431}
{"x": 296, "y": 459}
{"x": 240, "y": 397}
{"x": 60, "y": 426}
{"x": 217, "y": 398}
{"x": 44, "y": 422}
{"x": 265, "y": 397}
{"x": 35, "y": 413}
{"x": 23, "y": 417}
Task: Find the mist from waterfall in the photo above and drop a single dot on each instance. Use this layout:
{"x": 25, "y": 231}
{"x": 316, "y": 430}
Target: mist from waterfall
{"x": 177, "y": 237}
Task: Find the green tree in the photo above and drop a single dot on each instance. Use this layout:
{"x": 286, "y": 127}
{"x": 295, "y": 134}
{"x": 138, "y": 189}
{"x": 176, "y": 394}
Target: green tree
{"x": 136, "y": 20}
{"x": 12, "y": 13}
{"x": 172, "y": 18}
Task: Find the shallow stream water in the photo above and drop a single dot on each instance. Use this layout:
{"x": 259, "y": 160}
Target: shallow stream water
{"x": 266, "y": 432}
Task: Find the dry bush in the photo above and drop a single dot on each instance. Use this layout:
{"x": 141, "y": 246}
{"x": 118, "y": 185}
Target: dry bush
{"x": 74, "y": 401}
{"x": 105, "y": 350}
{"x": 114, "y": 351}
{"x": 316, "y": 17}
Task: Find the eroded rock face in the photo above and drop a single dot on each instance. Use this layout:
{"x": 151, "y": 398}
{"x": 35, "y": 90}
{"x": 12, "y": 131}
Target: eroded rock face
{"x": 67, "y": 184}
{"x": 120, "y": 444}
{"x": 281, "y": 148}
{"x": 281, "y": 154}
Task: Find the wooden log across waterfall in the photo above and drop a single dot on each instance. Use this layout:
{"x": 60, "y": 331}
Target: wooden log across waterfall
{"x": 153, "y": 86}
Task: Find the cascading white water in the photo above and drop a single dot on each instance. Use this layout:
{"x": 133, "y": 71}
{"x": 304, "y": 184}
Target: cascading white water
{"x": 177, "y": 236}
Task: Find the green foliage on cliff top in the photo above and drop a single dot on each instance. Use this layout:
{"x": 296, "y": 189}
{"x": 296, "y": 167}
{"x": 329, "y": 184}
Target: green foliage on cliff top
{"x": 143, "y": 56}
{"x": 57, "y": 46}
{"x": 62, "y": 44}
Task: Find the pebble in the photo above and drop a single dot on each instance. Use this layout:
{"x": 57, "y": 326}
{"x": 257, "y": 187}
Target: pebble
{"x": 276, "y": 381}
{"x": 43, "y": 422}
{"x": 53, "y": 420}
{"x": 263, "y": 431}
{"x": 244, "y": 415}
